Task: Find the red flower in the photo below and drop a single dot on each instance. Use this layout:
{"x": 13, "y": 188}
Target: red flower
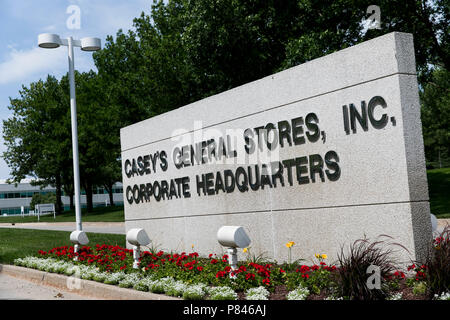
{"x": 303, "y": 269}
{"x": 160, "y": 253}
{"x": 250, "y": 276}
{"x": 200, "y": 268}
{"x": 242, "y": 269}
{"x": 266, "y": 281}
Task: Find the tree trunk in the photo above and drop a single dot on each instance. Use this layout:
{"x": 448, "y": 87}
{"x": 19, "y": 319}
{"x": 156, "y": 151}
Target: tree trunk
{"x": 89, "y": 202}
{"x": 58, "y": 205}
{"x": 440, "y": 52}
{"x": 69, "y": 193}
{"x": 109, "y": 188}
{"x": 72, "y": 206}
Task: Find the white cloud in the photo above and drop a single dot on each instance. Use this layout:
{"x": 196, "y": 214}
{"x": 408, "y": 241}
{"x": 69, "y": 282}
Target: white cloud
{"x": 26, "y": 65}
{"x": 21, "y": 64}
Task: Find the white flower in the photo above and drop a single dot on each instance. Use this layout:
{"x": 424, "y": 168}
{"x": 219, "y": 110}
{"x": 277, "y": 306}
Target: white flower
{"x": 222, "y": 293}
{"x": 143, "y": 284}
{"x": 130, "y": 280}
{"x": 175, "y": 289}
{"x": 395, "y": 296}
{"x": 114, "y": 278}
{"x": 159, "y": 285}
{"x": 195, "y": 291}
{"x": 300, "y": 293}
{"x": 259, "y": 293}
{"x": 443, "y": 296}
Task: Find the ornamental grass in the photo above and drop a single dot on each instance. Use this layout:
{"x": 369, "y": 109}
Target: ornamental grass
{"x": 363, "y": 258}
{"x": 435, "y": 271}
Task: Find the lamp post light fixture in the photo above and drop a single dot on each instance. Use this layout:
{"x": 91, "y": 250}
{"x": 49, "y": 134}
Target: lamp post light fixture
{"x": 233, "y": 237}
{"x": 78, "y": 238}
{"x": 137, "y": 237}
{"x": 51, "y": 41}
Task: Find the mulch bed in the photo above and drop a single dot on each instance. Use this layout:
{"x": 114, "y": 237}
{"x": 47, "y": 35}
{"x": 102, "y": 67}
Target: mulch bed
{"x": 408, "y": 293}
{"x": 279, "y": 293}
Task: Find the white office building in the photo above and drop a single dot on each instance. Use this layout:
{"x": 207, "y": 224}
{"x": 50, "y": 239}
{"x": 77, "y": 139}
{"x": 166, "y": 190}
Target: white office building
{"x": 13, "y": 197}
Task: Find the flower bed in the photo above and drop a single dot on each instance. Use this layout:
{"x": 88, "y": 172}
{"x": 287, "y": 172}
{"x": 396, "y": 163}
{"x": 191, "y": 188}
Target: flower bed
{"x": 193, "y": 277}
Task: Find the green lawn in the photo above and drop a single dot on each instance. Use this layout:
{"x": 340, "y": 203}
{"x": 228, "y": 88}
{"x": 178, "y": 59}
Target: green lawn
{"x": 17, "y": 243}
{"x": 439, "y": 189}
{"x": 100, "y": 214}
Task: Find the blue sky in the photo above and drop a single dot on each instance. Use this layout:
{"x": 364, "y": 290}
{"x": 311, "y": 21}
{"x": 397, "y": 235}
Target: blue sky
{"x": 22, "y": 61}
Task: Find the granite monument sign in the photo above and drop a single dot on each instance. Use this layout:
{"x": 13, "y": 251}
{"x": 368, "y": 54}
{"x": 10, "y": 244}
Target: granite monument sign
{"x": 320, "y": 154}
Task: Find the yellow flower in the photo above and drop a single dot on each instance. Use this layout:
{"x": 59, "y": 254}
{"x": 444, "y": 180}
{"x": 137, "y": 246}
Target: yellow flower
{"x": 290, "y": 244}
{"x": 245, "y": 250}
{"x": 324, "y": 256}
{"x": 192, "y": 246}
{"x": 317, "y": 255}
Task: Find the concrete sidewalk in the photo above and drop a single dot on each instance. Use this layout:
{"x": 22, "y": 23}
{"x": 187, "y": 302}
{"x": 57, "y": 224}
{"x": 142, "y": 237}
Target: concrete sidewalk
{"x": 12, "y": 288}
{"x": 95, "y": 227}
{"x": 25, "y": 283}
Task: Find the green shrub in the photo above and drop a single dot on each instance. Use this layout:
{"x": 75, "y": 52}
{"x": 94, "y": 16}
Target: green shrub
{"x": 39, "y": 198}
{"x": 419, "y": 288}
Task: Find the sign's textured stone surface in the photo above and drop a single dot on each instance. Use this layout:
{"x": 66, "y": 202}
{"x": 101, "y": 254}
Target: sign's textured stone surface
{"x": 340, "y": 156}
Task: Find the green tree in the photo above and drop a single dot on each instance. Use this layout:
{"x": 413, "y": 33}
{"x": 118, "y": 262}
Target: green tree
{"x": 98, "y": 135}
{"x": 39, "y": 143}
{"x": 327, "y": 26}
{"x": 36, "y": 136}
{"x": 428, "y": 21}
{"x": 435, "y": 99}
{"x": 187, "y": 50}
